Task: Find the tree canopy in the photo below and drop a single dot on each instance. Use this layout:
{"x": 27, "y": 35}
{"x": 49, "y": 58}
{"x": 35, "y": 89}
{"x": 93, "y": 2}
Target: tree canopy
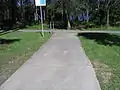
{"x": 97, "y": 12}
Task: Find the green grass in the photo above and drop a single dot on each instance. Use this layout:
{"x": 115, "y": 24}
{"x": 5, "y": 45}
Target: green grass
{"x": 37, "y": 27}
{"x": 16, "y": 48}
{"x": 104, "y": 52}
{"x": 104, "y": 28}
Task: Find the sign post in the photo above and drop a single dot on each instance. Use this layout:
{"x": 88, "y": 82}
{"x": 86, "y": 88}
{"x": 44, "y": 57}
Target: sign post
{"x": 41, "y": 16}
{"x": 41, "y": 3}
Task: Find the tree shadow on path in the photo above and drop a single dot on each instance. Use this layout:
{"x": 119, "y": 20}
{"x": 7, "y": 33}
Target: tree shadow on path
{"x": 103, "y": 38}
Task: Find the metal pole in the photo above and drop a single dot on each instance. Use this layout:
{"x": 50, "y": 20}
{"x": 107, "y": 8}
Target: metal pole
{"x": 41, "y": 20}
{"x": 50, "y": 25}
{"x": 36, "y": 15}
{"x": 44, "y": 15}
{"x": 53, "y": 25}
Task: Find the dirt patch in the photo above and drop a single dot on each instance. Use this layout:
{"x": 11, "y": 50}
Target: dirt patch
{"x": 103, "y": 71}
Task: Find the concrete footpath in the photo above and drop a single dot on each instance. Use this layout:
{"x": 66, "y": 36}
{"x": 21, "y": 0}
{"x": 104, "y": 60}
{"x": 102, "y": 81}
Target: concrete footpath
{"x": 60, "y": 64}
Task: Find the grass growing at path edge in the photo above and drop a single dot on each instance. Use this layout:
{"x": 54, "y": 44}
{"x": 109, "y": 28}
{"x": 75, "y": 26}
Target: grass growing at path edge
{"x": 15, "y": 49}
{"x": 37, "y": 27}
{"x": 105, "y": 29}
{"x": 104, "y": 52}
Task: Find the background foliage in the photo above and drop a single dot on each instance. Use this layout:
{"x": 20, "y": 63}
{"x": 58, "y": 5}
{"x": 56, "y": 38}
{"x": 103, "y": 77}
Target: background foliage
{"x": 65, "y": 13}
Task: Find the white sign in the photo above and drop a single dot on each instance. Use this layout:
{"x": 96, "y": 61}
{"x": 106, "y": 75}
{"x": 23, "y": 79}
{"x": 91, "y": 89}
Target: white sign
{"x": 40, "y": 2}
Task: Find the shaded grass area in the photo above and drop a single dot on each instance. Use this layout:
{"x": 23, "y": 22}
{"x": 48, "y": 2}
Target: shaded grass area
{"x": 104, "y": 52}
{"x": 8, "y": 41}
{"x": 104, "y": 28}
{"x": 29, "y": 27}
{"x": 15, "y": 49}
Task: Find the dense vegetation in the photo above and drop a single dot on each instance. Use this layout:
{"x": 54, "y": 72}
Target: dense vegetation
{"x": 16, "y": 13}
{"x": 65, "y": 13}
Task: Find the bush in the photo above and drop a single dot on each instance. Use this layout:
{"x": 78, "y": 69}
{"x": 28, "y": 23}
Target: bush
{"x": 18, "y": 25}
{"x": 7, "y": 24}
{"x": 83, "y": 25}
{"x": 89, "y": 25}
{"x": 117, "y": 23}
{"x": 60, "y": 25}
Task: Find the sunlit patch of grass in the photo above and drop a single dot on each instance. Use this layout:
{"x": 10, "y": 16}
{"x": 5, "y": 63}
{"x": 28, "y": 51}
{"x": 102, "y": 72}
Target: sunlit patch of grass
{"x": 16, "y": 48}
{"x": 104, "y": 54}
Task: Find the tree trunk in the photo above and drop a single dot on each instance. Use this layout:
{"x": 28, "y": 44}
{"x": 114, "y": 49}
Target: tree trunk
{"x": 68, "y": 21}
{"x": 108, "y": 17}
{"x": 14, "y": 7}
{"x": 22, "y": 11}
{"x": 87, "y": 15}
{"x": 69, "y": 25}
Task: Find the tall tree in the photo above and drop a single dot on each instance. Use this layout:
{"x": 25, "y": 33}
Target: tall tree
{"x": 108, "y": 5}
{"x": 13, "y": 8}
{"x": 67, "y": 7}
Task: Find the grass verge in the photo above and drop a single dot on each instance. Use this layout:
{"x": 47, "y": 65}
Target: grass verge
{"x": 37, "y": 27}
{"x": 15, "y": 49}
{"x": 104, "y": 52}
{"x": 104, "y": 28}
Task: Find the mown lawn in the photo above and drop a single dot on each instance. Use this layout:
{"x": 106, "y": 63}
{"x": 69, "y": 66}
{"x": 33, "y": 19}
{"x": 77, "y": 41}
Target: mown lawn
{"x": 104, "y": 52}
{"x": 16, "y": 48}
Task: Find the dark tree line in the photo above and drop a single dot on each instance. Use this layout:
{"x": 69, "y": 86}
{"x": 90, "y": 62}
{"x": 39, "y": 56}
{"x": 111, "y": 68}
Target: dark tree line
{"x": 18, "y": 13}
{"x": 88, "y": 12}
{"x": 15, "y": 13}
